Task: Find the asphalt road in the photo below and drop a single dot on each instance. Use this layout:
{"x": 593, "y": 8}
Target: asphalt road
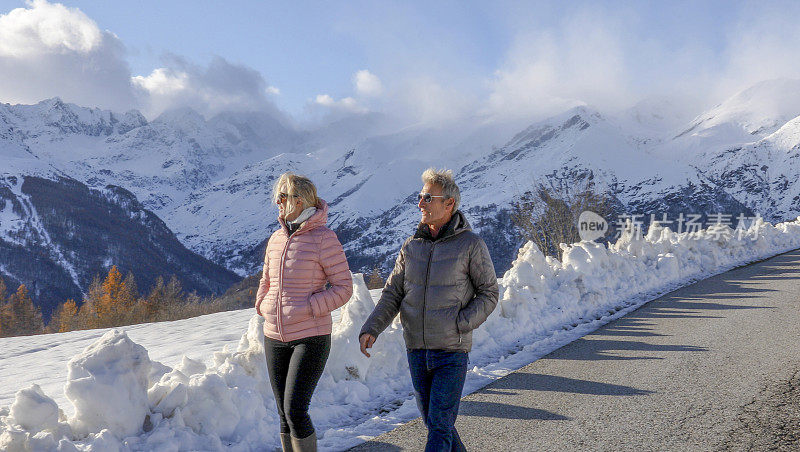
{"x": 711, "y": 366}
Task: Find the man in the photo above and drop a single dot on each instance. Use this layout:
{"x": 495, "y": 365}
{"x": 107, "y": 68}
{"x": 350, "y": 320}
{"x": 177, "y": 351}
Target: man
{"x": 444, "y": 286}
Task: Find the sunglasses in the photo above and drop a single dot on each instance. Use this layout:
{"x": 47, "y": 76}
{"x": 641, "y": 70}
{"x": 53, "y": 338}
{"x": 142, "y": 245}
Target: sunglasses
{"x": 282, "y": 196}
{"x": 427, "y": 197}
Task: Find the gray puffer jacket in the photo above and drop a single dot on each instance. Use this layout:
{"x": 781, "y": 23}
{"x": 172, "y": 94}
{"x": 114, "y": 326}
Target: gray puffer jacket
{"x": 443, "y": 289}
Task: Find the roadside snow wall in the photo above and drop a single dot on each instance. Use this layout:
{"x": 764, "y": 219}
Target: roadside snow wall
{"x": 126, "y": 402}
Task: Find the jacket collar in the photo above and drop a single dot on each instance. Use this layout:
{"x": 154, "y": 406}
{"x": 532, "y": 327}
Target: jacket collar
{"x": 304, "y": 215}
{"x": 318, "y": 218}
{"x": 457, "y": 224}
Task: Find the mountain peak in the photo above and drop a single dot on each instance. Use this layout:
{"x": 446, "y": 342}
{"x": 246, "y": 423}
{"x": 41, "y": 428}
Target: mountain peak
{"x": 53, "y": 102}
{"x": 576, "y": 118}
{"x": 184, "y": 119}
{"x": 758, "y": 110}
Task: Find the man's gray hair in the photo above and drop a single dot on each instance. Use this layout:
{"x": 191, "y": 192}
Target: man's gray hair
{"x": 444, "y": 179}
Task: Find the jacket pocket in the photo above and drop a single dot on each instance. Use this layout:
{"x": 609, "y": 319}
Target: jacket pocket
{"x": 310, "y": 305}
{"x": 462, "y": 327}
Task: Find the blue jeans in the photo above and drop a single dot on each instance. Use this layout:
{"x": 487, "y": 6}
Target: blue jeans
{"x": 438, "y": 378}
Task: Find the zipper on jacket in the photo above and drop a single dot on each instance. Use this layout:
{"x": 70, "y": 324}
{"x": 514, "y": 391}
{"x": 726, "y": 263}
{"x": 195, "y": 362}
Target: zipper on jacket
{"x": 279, "y": 314}
{"x": 425, "y": 293}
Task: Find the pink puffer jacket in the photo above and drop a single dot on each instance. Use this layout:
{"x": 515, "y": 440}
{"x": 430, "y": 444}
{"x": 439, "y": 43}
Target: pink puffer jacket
{"x": 292, "y": 296}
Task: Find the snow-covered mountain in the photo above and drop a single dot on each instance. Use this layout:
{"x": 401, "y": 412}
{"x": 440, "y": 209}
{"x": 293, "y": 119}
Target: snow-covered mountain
{"x": 160, "y": 161}
{"x": 748, "y": 147}
{"x": 58, "y": 234}
{"x": 210, "y": 180}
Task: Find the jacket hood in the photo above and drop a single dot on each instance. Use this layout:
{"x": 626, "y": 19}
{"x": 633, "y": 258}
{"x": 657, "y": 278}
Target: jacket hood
{"x": 320, "y": 218}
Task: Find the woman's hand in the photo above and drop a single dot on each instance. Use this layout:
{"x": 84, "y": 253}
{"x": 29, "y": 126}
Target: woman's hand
{"x": 366, "y": 341}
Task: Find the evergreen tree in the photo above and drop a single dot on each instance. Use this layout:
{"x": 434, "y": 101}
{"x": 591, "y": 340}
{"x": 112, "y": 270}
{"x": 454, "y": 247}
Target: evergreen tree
{"x": 3, "y": 290}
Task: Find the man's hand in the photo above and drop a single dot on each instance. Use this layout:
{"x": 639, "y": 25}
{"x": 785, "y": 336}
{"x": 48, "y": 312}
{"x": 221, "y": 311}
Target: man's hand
{"x": 366, "y": 341}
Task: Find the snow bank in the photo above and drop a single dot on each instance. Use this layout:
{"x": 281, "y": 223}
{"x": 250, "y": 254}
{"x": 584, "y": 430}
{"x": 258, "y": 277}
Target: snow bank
{"x": 107, "y": 384}
{"x": 124, "y": 401}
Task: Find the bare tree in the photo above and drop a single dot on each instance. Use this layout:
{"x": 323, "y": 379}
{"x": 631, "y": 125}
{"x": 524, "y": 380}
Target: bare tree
{"x": 375, "y": 280}
{"x": 548, "y": 215}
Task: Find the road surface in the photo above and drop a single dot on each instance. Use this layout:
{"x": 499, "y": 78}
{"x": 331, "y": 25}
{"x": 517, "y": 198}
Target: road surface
{"x": 711, "y": 366}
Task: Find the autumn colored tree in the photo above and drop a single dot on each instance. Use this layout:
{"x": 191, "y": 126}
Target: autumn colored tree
{"x": 88, "y": 316}
{"x": 5, "y": 311}
{"x": 107, "y": 309}
{"x": 6, "y": 320}
{"x": 65, "y": 318}
{"x": 127, "y": 299}
{"x": 26, "y": 317}
{"x": 154, "y": 303}
{"x": 111, "y": 302}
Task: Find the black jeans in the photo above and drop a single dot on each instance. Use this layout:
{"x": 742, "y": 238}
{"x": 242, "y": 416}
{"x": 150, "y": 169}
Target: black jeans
{"x": 438, "y": 377}
{"x": 294, "y": 370}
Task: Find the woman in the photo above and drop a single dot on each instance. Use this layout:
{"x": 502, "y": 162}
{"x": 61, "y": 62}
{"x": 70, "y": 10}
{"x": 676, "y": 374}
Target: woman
{"x": 293, "y": 299}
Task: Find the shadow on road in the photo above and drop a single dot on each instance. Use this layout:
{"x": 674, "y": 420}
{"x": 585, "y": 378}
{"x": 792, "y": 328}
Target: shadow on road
{"x": 598, "y": 349}
{"x": 506, "y": 411}
{"x": 631, "y": 328}
{"x": 541, "y": 382}
{"x": 727, "y": 291}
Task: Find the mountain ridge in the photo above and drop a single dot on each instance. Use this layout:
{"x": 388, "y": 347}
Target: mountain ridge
{"x": 210, "y": 180}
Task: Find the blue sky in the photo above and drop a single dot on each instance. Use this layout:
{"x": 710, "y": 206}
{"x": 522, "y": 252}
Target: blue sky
{"x": 431, "y": 60}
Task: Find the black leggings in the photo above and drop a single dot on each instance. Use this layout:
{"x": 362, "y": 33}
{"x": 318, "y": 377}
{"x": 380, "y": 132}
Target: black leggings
{"x": 294, "y": 371}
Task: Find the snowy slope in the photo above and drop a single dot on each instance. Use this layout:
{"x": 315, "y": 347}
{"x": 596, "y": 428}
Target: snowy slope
{"x": 161, "y": 161}
{"x": 749, "y": 115}
{"x": 763, "y": 174}
{"x": 361, "y": 185}
{"x": 209, "y": 179}
{"x": 137, "y": 391}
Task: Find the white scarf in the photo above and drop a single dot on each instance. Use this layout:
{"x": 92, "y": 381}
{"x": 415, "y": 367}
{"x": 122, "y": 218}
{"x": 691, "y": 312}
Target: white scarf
{"x": 304, "y": 215}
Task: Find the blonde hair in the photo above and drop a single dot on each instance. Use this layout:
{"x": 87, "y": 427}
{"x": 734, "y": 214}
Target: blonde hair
{"x": 295, "y": 186}
{"x": 444, "y": 179}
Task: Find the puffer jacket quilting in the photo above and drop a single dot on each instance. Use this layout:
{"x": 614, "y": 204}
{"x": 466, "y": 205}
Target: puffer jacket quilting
{"x": 292, "y": 296}
{"x": 442, "y": 288}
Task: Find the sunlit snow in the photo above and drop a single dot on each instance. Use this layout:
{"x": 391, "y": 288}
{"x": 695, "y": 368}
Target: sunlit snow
{"x": 201, "y": 384}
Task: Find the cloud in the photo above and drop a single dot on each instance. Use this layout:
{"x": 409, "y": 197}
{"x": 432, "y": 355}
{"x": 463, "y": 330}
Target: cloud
{"x": 367, "y": 83}
{"x": 611, "y": 59}
{"x": 219, "y": 86}
{"x": 47, "y": 28}
{"x": 521, "y": 65}
{"x": 347, "y": 104}
{"x": 546, "y": 72}
{"x": 761, "y": 46}
{"x": 427, "y": 100}
{"x": 49, "y": 50}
